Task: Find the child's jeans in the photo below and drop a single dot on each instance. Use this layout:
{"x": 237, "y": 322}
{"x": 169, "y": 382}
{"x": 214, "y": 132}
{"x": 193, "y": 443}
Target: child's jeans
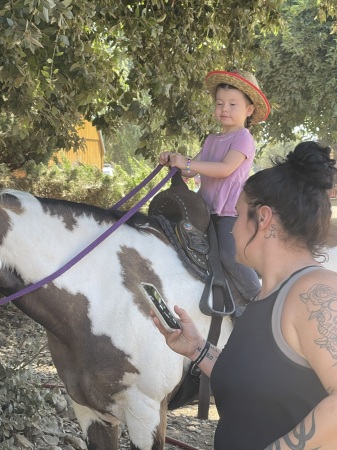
{"x": 242, "y": 280}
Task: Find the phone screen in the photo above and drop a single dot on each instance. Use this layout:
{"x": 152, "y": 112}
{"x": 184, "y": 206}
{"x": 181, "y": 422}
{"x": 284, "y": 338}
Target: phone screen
{"x": 160, "y": 305}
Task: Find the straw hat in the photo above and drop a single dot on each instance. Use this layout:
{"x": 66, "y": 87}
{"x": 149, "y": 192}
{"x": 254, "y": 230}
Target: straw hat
{"x": 245, "y": 82}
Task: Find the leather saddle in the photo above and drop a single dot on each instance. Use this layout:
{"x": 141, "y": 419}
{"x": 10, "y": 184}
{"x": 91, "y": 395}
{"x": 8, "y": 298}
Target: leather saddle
{"x": 185, "y": 219}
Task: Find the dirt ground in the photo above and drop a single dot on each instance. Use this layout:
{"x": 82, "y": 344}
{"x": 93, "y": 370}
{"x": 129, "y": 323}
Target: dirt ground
{"x": 16, "y": 332}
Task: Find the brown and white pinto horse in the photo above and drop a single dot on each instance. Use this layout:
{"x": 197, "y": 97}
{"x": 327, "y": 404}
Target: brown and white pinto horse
{"x": 112, "y": 359}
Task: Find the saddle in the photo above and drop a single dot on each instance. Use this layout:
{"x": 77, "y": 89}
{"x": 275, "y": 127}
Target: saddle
{"x": 185, "y": 219}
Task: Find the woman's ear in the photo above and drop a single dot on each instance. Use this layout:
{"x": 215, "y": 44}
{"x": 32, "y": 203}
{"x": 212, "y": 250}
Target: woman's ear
{"x": 265, "y": 216}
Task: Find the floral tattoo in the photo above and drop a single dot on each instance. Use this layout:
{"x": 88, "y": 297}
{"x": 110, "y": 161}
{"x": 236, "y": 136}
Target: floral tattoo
{"x": 321, "y": 302}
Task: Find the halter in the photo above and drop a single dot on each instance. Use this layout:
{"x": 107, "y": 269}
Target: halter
{"x": 102, "y": 237}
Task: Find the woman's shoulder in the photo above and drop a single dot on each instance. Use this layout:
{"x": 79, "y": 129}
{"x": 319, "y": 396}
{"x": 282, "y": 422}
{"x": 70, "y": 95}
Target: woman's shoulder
{"x": 316, "y": 282}
{"x": 311, "y": 295}
{"x": 320, "y": 274}
{"x": 309, "y": 322}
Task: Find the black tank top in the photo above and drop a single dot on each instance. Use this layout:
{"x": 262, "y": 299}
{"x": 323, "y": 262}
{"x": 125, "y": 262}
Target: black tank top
{"x": 260, "y": 392}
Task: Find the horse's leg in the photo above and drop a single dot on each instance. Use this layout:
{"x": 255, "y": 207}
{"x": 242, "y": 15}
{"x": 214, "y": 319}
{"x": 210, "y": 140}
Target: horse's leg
{"x": 157, "y": 436}
{"x": 102, "y": 436}
{"x": 98, "y": 434}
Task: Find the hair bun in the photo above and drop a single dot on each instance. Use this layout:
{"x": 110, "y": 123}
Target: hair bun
{"x": 312, "y": 162}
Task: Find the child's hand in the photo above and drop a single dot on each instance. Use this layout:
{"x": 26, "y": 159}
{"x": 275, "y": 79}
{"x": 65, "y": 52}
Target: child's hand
{"x": 178, "y": 160}
{"x": 164, "y": 159}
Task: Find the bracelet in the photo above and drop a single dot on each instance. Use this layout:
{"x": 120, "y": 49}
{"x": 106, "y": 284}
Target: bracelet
{"x": 202, "y": 355}
{"x": 188, "y": 164}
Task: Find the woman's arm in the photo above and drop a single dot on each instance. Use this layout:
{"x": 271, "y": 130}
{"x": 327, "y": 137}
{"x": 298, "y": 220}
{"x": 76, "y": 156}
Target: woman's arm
{"x": 318, "y": 431}
{"x": 309, "y": 325}
{"x": 208, "y": 358}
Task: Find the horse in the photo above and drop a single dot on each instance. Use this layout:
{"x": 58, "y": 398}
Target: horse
{"x": 113, "y": 361}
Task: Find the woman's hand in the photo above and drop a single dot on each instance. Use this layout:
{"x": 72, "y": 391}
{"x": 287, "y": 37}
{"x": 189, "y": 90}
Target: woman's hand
{"x": 185, "y": 341}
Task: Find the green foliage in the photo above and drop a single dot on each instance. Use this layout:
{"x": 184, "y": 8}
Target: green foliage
{"x": 121, "y": 144}
{"x": 112, "y": 61}
{"x": 300, "y": 78}
{"x": 82, "y": 183}
{"x": 52, "y": 67}
{"x": 272, "y": 151}
{"x": 127, "y": 139}
{"x": 142, "y": 65}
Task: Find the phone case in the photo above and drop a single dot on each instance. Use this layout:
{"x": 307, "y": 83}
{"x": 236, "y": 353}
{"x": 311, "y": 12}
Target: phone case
{"x": 159, "y": 307}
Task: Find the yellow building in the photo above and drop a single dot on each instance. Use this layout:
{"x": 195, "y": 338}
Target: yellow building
{"x": 93, "y": 154}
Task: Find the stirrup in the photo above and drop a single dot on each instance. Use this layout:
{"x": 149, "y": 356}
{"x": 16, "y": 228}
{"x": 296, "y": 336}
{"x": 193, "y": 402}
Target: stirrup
{"x": 228, "y": 305}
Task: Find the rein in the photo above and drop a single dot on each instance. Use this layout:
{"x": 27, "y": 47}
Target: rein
{"x": 102, "y": 237}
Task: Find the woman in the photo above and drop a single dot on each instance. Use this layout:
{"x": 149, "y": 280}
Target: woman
{"x": 275, "y": 382}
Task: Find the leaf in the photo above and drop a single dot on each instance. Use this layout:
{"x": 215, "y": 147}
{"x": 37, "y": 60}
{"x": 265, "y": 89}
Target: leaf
{"x": 46, "y": 14}
{"x": 49, "y": 4}
{"x": 75, "y": 66}
{"x": 64, "y": 40}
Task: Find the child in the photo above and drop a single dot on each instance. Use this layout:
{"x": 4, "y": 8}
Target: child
{"x": 224, "y": 163}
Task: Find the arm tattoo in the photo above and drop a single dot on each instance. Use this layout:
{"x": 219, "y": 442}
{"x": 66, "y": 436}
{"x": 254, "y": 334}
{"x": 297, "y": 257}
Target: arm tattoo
{"x": 208, "y": 355}
{"x": 215, "y": 350}
{"x": 199, "y": 349}
{"x": 297, "y": 438}
{"x": 321, "y": 303}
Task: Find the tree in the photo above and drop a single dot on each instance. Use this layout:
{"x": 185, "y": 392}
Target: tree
{"x": 113, "y": 62}
{"x": 301, "y": 75}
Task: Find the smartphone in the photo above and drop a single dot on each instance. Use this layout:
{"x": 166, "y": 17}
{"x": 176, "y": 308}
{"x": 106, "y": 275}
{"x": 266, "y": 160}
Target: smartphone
{"x": 159, "y": 307}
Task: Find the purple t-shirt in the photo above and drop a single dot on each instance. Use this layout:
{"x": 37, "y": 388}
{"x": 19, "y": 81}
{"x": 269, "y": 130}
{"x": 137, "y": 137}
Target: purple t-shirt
{"x": 221, "y": 194}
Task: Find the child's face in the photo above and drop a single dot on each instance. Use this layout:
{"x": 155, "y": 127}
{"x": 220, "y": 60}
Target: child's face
{"x": 232, "y": 108}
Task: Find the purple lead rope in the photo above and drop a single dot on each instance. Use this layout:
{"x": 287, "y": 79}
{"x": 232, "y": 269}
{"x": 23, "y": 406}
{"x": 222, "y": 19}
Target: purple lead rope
{"x": 137, "y": 188}
{"x": 100, "y": 239}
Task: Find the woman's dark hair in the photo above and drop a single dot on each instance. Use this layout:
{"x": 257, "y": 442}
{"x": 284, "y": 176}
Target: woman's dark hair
{"x": 248, "y": 122}
{"x": 296, "y": 190}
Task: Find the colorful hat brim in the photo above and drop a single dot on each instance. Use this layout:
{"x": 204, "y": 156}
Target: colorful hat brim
{"x": 262, "y": 106}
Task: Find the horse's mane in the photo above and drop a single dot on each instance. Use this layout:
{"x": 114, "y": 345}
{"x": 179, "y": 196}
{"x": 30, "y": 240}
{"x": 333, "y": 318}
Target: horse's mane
{"x": 69, "y": 209}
